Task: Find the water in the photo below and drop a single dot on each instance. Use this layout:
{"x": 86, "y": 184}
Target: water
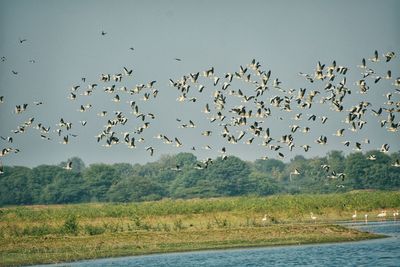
{"x": 378, "y": 252}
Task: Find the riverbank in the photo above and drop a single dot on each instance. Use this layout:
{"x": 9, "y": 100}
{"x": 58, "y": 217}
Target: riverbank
{"x": 60, "y": 233}
{"x": 53, "y": 249}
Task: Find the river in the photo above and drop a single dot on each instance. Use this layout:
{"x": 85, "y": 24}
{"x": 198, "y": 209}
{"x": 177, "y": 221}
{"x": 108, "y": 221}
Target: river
{"x": 377, "y": 252}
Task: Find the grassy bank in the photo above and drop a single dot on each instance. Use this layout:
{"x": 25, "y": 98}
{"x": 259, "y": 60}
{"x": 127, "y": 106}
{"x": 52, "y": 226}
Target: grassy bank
{"x": 51, "y": 249}
{"x": 46, "y": 234}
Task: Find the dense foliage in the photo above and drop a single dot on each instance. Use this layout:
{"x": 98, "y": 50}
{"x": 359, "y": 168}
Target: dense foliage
{"x": 232, "y": 176}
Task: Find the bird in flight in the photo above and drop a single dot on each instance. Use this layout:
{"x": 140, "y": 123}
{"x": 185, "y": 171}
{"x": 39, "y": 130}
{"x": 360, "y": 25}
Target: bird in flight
{"x": 375, "y": 58}
{"x": 396, "y": 163}
{"x": 68, "y": 166}
{"x": 245, "y": 115}
{"x": 151, "y": 150}
{"x": 389, "y": 56}
{"x": 127, "y": 72}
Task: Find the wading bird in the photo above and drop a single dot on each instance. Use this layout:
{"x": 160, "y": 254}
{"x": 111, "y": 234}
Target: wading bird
{"x": 382, "y": 215}
{"x": 313, "y": 217}
{"x": 264, "y": 219}
{"x": 354, "y": 216}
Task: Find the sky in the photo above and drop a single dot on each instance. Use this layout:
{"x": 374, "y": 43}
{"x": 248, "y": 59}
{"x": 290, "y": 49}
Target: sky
{"x": 64, "y": 43}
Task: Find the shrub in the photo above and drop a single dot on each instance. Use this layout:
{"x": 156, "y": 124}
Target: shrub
{"x": 94, "y": 230}
{"x": 37, "y": 230}
{"x": 178, "y": 225}
{"x": 71, "y": 225}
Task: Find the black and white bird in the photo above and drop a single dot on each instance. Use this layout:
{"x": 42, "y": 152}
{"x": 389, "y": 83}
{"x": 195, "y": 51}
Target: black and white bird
{"x": 396, "y": 163}
{"x": 389, "y": 56}
{"x": 151, "y": 150}
{"x": 68, "y": 166}
{"x": 375, "y": 58}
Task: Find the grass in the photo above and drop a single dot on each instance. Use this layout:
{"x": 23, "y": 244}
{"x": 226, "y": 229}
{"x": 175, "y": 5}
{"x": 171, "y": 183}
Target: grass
{"x": 57, "y": 233}
{"x": 52, "y": 249}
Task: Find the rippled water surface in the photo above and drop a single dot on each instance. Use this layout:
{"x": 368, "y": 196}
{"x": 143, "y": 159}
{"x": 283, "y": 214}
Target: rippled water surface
{"x": 380, "y": 252}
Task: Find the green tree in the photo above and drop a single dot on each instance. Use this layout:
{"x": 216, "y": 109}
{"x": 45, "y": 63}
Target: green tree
{"x": 98, "y": 179}
{"x": 123, "y": 170}
{"x": 263, "y": 185}
{"x": 135, "y": 188}
{"x": 269, "y": 165}
{"x": 356, "y": 168}
{"x": 14, "y": 186}
{"x": 67, "y": 187}
{"x": 192, "y": 183}
{"x": 42, "y": 176}
{"x": 185, "y": 159}
{"x": 336, "y": 160}
{"x": 230, "y": 176}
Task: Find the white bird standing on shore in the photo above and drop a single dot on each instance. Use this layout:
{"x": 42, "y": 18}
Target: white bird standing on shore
{"x": 395, "y": 214}
{"x": 382, "y": 215}
{"x": 313, "y": 217}
{"x": 264, "y": 219}
{"x": 354, "y": 216}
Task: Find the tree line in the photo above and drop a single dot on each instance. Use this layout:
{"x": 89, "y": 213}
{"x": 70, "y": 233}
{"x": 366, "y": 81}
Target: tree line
{"x": 231, "y": 176}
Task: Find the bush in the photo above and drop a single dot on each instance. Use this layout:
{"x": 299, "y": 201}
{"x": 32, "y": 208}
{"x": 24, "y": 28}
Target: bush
{"x": 178, "y": 225}
{"x": 94, "y": 230}
{"x": 41, "y": 230}
{"x": 71, "y": 225}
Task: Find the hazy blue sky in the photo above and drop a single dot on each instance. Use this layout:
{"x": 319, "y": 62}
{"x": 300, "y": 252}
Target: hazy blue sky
{"x": 64, "y": 39}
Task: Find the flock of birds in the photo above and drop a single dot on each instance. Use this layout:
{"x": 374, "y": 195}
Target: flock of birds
{"x": 380, "y": 216}
{"x": 237, "y": 105}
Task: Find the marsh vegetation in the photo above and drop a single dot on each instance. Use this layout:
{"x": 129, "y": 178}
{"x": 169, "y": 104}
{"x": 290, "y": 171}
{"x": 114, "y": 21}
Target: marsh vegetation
{"x": 39, "y": 234}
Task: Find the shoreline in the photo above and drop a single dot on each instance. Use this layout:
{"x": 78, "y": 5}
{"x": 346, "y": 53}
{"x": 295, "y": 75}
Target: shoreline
{"x": 70, "y": 249}
{"x": 70, "y": 233}
{"x": 250, "y": 246}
